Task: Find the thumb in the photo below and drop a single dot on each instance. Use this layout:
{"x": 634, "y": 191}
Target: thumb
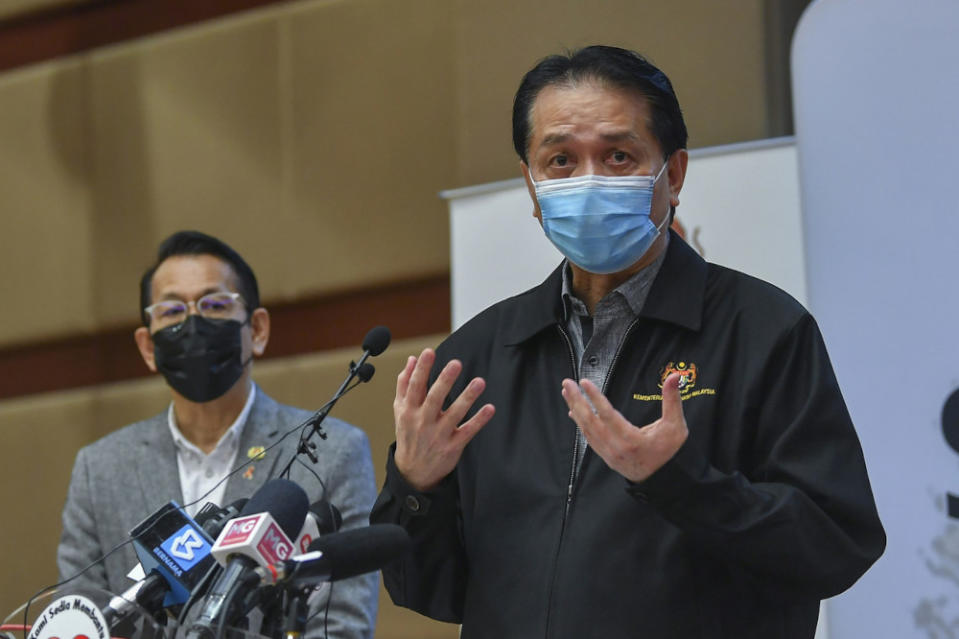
{"x": 672, "y": 402}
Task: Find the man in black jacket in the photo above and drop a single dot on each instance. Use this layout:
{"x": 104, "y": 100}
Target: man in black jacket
{"x": 701, "y": 479}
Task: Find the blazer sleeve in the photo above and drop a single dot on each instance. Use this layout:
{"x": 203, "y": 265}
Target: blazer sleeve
{"x": 79, "y": 542}
{"x": 347, "y": 609}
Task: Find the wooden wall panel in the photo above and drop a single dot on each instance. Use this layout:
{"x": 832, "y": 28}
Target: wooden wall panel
{"x": 45, "y": 205}
{"x": 712, "y": 51}
{"x": 12, "y": 9}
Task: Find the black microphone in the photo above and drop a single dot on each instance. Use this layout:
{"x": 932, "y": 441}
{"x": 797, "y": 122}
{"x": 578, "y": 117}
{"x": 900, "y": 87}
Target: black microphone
{"x": 340, "y": 556}
{"x": 262, "y": 532}
{"x": 376, "y": 340}
{"x": 328, "y": 517}
{"x": 287, "y": 610}
{"x": 374, "y": 343}
{"x": 365, "y": 371}
{"x": 213, "y": 518}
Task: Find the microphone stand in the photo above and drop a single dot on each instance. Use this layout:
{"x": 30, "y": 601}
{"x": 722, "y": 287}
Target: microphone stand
{"x": 316, "y": 422}
{"x": 294, "y": 622}
{"x": 360, "y": 370}
{"x": 374, "y": 343}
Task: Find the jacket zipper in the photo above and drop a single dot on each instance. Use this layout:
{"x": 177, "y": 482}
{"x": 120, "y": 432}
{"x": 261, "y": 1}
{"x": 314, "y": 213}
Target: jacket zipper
{"x": 572, "y": 471}
{"x": 569, "y": 488}
{"x": 619, "y": 349}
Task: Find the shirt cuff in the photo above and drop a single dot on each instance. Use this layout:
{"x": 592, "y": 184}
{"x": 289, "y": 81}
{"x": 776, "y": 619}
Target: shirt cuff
{"x": 675, "y": 480}
{"x": 412, "y": 502}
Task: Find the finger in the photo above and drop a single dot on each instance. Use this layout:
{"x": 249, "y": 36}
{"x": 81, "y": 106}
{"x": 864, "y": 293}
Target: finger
{"x": 416, "y": 390}
{"x": 672, "y": 402}
{"x": 441, "y": 387}
{"x": 601, "y": 405}
{"x": 403, "y": 379}
{"x": 572, "y": 394}
{"x": 580, "y": 410}
{"x": 470, "y": 427}
{"x": 459, "y": 408}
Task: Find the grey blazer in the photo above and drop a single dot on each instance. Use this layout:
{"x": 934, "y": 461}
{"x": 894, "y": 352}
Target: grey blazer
{"x": 124, "y": 477}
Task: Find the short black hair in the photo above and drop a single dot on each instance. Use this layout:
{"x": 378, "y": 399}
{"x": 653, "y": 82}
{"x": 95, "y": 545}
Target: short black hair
{"x": 619, "y": 67}
{"x": 197, "y": 243}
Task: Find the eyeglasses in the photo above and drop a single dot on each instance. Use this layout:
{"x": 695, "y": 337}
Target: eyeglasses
{"x": 211, "y": 306}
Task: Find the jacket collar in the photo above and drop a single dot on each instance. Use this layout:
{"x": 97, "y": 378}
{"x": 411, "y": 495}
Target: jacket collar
{"x": 677, "y": 296}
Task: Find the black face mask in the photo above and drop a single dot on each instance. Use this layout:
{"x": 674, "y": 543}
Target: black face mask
{"x": 201, "y": 358}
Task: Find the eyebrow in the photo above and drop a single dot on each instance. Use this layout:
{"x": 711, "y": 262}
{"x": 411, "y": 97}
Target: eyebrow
{"x": 173, "y": 296}
{"x": 616, "y": 136}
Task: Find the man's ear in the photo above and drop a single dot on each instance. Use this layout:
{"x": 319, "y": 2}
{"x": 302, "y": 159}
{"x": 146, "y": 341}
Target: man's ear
{"x": 145, "y": 344}
{"x": 537, "y": 213}
{"x": 260, "y": 327}
{"x": 676, "y": 172}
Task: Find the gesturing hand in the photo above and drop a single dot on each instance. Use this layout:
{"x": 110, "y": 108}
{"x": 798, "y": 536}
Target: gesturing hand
{"x": 635, "y": 453}
{"x": 429, "y": 441}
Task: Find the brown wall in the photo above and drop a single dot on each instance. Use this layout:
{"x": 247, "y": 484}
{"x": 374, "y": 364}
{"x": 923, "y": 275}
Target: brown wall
{"x": 18, "y": 8}
{"x": 314, "y": 137}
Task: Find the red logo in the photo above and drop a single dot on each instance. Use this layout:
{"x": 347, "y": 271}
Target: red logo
{"x": 239, "y": 531}
{"x": 305, "y": 542}
{"x": 274, "y": 546}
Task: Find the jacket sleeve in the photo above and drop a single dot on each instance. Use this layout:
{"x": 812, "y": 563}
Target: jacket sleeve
{"x": 79, "y": 543}
{"x": 802, "y": 517}
{"x": 431, "y": 578}
{"x": 347, "y": 609}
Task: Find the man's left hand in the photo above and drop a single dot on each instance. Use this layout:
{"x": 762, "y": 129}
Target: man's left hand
{"x": 635, "y": 453}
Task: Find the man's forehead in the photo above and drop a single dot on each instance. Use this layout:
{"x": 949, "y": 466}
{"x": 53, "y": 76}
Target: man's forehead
{"x": 614, "y": 113}
{"x": 191, "y": 274}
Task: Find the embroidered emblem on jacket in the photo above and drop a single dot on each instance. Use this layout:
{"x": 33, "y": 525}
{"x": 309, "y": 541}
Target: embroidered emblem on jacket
{"x": 688, "y": 376}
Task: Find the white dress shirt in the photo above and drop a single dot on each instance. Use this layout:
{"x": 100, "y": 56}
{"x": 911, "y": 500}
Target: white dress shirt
{"x": 201, "y": 473}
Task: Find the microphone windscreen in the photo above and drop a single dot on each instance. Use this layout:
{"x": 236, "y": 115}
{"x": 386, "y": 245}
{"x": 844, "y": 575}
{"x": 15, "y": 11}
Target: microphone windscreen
{"x": 365, "y": 371}
{"x": 376, "y": 340}
{"x": 286, "y": 502}
{"x": 328, "y": 517}
{"x": 236, "y": 507}
{"x": 361, "y": 550}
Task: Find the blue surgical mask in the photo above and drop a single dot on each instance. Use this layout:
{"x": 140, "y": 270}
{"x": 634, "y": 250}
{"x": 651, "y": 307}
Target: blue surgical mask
{"x": 600, "y": 223}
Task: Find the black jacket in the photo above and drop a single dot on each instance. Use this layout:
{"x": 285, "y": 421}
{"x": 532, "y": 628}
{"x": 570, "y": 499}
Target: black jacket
{"x": 765, "y": 510}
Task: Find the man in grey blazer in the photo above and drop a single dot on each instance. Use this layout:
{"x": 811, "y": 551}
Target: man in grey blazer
{"x": 203, "y": 325}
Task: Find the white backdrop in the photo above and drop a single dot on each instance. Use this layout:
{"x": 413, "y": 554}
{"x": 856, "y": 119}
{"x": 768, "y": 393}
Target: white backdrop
{"x": 876, "y": 92}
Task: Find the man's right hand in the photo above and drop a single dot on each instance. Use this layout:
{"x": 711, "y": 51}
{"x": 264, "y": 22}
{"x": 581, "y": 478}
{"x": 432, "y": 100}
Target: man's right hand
{"x": 429, "y": 440}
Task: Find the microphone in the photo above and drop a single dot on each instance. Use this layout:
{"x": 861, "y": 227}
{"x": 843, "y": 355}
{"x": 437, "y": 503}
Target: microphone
{"x": 260, "y": 536}
{"x": 323, "y": 518}
{"x": 364, "y": 372}
{"x": 213, "y": 518}
{"x": 174, "y": 551}
{"x": 285, "y": 610}
{"x": 374, "y": 343}
{"x": 376, "y": 340}
{"x": 340, "y": 556}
